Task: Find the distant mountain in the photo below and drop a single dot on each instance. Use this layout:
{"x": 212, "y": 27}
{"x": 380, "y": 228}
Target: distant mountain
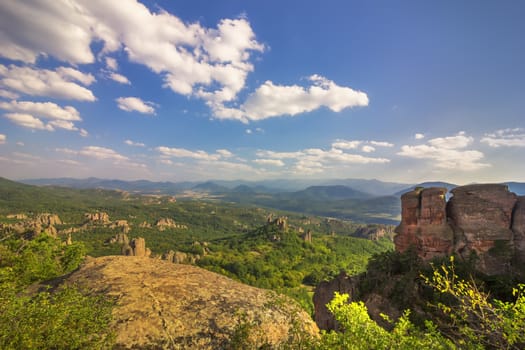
{"x": 335, "y": 192}
{"x": 373, "y": 186}
{"x": 447, "y": 185}
{"x": 210, "y": 187}
{"x": 143, "y": 186}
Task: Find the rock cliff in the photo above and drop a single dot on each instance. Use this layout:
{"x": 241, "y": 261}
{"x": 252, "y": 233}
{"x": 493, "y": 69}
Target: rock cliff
{"x": 485, "y": 222}
{"x": 165, "y": 305}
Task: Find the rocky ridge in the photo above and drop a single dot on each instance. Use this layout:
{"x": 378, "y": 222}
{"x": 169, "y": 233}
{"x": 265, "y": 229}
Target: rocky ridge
{"x": 165, "y": 305}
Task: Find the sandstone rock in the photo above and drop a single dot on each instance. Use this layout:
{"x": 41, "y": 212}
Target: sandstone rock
{"x": 47, "y": 219}
{"x": 518, "y": 228}
{"x": 138, "y": 245}
{"x": 307, "y": 236}
{"x": 424, "y": 223}
{"x": 120, "y": 238}
{"x": 481, "y": 216}
{"x": 19, "y": 216}
{"x": 97, "y": 218}
{"x": 122, "y": 224}
{"x": 162, "y": 305}
{"x": 165, "y": 223}
{"x": 324, "y": 293}
{"x": 482, "y": 221}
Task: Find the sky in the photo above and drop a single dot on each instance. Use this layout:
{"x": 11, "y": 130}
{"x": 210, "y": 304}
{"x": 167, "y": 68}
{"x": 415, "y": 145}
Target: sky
{"x": 402, "y": 91}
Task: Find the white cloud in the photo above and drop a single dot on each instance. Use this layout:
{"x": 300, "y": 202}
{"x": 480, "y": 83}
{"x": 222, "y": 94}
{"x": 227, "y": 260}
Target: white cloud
{"x": 344, "y": 144}
{"x": 132, "y": 143}
{"x": 419, "y": 136}
{"x": 206, "y": 62}
{"x": 101, "y": 153}
{"x": 47, "y": 110}
{"x": 272, "y": 162}
{"x": 315, "y": 160}
{"x": 130, "y": 104}
{"x": 111, "y": 63}
{"x": 452, "y": 142}
{"x": 199, "y": 155}
{"x": 8, "y": 94}
{"x": 224, "y": 153}
{"x": 44, "y": 82}
{"x": 69, "y": 73}
{"x": 381, "y": 144}
{"x": 505, "y": 138}
{"x": 270, "y": 100}
{"x": 119, "y": 78}
{"x": 3, "y": 139}
{"x": 28, "y": 114}
{"x": 447, "y": 153}
{"x": 249, "y": 131}
{"x": 83, "y": 132}
{"x": 27, "y": 121}
{"x": 368, "y": 148}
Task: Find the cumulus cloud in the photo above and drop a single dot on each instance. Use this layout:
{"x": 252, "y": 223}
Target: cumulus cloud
{"x": 28, "y": 121}
{"x": 272, "y": 162}
{"x": 105, "y": 154}
{"x": 316, "y": 160}
{"x": 447, "y": 153}
{"x": 505, "y": 138}
{"x": 199, "y": 155}
{"x": 60, "y": 83}
{"x": 419, "y": 136}
{"x": 28, "y": 114}
{"x": 381, "y": 144}
{"x": 208, "y": 62}
{"x": 132, "y": 143}
{"x": 3, "y": 139}
{"x": 119, "y": 78}
{"x": 345, "y": 144}
{"x": 366, "y": 146}
{"x": 101, "y": 153}
{"x": 270, "y": 100}
{"x": 130, "y": 104}
{"x": 47, "y": 110}
{"x": 8, "y": 94}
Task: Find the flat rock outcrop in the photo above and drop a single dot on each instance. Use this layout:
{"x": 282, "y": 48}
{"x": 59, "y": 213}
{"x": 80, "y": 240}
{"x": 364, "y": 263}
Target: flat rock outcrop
{"x": 483, "y": 221}
{"x": 164, "y": 305}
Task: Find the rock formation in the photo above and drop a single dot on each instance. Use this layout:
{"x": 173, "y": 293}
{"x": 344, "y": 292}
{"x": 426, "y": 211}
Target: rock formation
{"x": 160, "y": 305}
{"x": 47, "y": 219}
{"x": 481, "y": 221}
{"x": 324, "y": 293}
{"x": 163, "y": 224}
{"x": 137, "y": 247}
{"x": 98, "y": 218}
{"x": 122, "y": 224}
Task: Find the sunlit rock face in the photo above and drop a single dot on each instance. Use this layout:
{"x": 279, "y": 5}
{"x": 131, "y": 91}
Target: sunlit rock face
{"x": 485, "y": 222}
{"x": 424, "y": 223}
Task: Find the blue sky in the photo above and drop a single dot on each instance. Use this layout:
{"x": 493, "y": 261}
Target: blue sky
{"x": 403, "y": 91}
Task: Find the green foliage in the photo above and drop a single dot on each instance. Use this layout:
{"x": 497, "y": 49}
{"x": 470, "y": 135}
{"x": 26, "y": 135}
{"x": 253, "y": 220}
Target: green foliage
{"x": 62, "y": 319}
{"x": 470, "y": 317}
{"x": 358, "y": 331}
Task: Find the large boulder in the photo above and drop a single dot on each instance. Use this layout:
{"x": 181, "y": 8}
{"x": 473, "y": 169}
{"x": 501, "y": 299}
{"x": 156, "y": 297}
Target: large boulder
{"x": 165, "y": 305}
{"x": 481, "y": 216}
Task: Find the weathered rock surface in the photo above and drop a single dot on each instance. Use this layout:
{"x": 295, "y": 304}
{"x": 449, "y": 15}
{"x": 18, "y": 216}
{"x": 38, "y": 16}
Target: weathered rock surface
{"x": 47, "y": 219}
{"x": 486, "y": 221}
{"x": 424, "y": 223}
{"x": 324, "y": 293}
{"x": 163, "y": 305}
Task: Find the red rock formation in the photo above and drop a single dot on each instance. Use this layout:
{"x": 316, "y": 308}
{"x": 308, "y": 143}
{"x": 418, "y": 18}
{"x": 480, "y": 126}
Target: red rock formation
{"x": 518, "y": 228}
{"x": 484, "y": 221}
{"x": 424, "y": 223}
{"x": 481, "y": 216}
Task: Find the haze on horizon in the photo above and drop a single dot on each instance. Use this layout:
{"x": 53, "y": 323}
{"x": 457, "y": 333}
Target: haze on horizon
{"x": 404, "y": 91}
